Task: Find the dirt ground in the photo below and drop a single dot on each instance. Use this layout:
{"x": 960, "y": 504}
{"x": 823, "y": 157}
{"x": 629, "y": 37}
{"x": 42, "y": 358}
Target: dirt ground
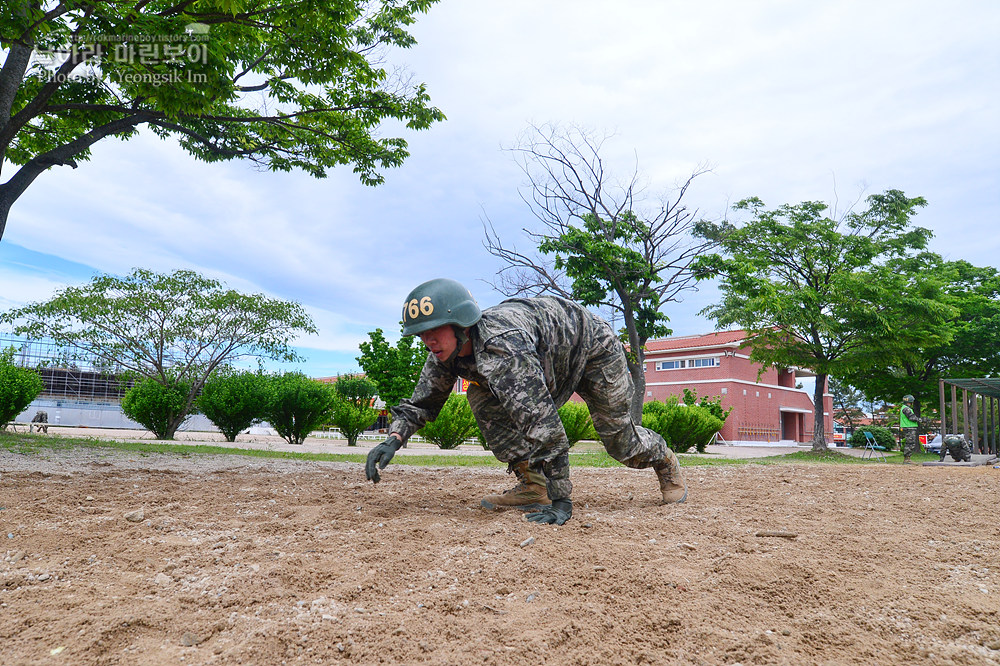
{"x": 153, "y": 559}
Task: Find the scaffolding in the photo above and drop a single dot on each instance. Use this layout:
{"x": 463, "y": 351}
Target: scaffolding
{"x": 979, "y": 397}
{"x": 68, "y": 373}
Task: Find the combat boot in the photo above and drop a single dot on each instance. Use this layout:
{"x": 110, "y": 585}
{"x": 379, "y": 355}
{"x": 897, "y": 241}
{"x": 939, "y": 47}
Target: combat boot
{"x": 671, "y": 484}
{"x": 528, "y": 495}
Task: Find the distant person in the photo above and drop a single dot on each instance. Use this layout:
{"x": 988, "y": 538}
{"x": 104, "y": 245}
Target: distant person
{"x": 41, "y": 421}
{"x": 908, "y": 422}
{"x": 957, "y": 447}
{"x": 524, "y": 358}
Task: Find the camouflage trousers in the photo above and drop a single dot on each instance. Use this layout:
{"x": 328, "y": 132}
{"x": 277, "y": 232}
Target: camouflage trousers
{"x": 957, "y": 447}
{"x": 607, "y": 388}
{"x": 909, "y": 441}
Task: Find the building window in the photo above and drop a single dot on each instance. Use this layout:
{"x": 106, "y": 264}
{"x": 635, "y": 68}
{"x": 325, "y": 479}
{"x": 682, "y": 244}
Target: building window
{"x": 725, "y": 390}
{"x": 678, "y": 364}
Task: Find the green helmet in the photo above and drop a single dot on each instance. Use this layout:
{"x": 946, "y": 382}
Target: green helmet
{"x": 907, "y": 398}
{"x": 436, "y": 303}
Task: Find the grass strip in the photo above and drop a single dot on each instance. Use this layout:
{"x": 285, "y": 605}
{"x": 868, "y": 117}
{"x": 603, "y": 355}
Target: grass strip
{"x": 591, "y": 456}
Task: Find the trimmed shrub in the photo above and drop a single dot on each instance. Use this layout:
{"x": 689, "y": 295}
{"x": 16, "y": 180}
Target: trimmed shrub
{"x": 18, "y": 387}
{"x": 157, "y": 406}
{"x": 298, "y": 405}
{"x": 682, "y": 426}
{"x": 576, "y": 422}
{"x": 234, "y": 401}
{"x": 713, "y": 405}
{"x": 883, "y": 437}
{"x": 453, "y": 425}
{"x": 353, "y": 412}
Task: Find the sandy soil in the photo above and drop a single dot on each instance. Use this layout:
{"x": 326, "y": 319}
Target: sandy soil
{"x": 118, "y": 559}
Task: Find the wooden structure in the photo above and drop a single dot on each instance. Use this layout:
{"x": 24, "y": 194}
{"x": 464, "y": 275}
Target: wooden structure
{"x": 976, "y": 414}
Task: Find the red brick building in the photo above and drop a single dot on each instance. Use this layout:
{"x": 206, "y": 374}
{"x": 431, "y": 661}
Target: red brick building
{"x": 765, "y": 409}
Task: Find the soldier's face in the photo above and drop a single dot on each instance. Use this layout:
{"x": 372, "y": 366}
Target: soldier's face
{"x": 440, "y": 341}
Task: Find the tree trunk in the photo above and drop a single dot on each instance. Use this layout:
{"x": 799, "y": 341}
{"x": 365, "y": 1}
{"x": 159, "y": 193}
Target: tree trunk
{"x": 4, "y": 212}
{"x": 639, "y": 383}
{"x": 819, "y": 431}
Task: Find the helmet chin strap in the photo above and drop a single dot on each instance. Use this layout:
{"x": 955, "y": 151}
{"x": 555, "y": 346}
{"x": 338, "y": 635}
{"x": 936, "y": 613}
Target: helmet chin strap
{"x": 460, "y": 339}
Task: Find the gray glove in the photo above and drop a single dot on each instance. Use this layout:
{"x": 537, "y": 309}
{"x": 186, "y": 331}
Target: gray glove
{"x": 560, "y": 511}
{"x": 380, "y": 456}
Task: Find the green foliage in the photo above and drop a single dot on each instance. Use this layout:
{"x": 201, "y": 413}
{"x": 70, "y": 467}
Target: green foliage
{"x": 453, "y": 425}
{"x": 824, "y": 294}
{"x": 234, "y": 401}
{"x": 971, "y": 351}
{"x": 683, "y": 426}
{"x": 284, "y": 84}
{"x": 353, "y": 411}
{"x": 883, "y": 437}
{"x": 395, "y": 370}
{"x": 298, "y": 405}
{"x": 575, "y": 417}
{"x": 18, "y": 387}
{"x": 713, "y": 405}
{"x": 171, "y": 328}
{"x": 159, "y": 407}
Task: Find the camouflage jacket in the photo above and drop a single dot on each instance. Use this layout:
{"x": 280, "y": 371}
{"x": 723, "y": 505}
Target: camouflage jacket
{"x": 530, "y": 353}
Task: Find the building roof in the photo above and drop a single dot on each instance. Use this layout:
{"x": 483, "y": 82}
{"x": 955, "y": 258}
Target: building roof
{"x": 986, "y": 386}
{"x": 717, "y": 339}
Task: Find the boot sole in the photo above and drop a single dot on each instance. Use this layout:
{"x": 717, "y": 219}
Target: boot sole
{"x": 520, "y": 507}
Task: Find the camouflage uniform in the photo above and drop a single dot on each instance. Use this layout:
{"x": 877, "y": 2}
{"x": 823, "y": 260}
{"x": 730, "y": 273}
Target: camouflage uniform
{"x": 529, "y": 356}
{"x": 41, "y": 421}
{"x": 958, "y": 448}
{"x": 910, "y": 440}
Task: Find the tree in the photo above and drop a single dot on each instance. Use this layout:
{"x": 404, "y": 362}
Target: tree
{"x": 283, "y": 83}
{"x": 847, "y": 402}
{"x": 971, "y": 351}
{"x": 177, "y": 327}
{"x": 601, "y": 244}
{"x": 395, "y": 370}
{"x": 820, "y": 293}
{"x": 159, "y": 407}
{"x": 353, "y": 411}
{"x": 18, "y": 387}
{"x": 453, "y": 425}
{"x": 234, "y": 401}
{"x": 298, "y": 405}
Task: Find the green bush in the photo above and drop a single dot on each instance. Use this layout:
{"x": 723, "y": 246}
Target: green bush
{"x": 353, "y": 412}
{"x": 576, "y": 422}
{"x": 18, "y": 387}
{"x": 298, "y": 405}
{"x": 682, "y": 426}
{"x": 234, "y": 401}
{"x": 883, "y": 437}
{"x": 453, "y": 425}
{"x": 157, "y": 406}
{"x": 713, "y": 405}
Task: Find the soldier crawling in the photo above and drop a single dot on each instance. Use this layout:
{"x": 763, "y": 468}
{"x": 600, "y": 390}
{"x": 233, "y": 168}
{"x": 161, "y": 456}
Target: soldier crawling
{"x": 957, "y": 448}
{"x": 40, "y": 418}
{"x": 524, "y": 358}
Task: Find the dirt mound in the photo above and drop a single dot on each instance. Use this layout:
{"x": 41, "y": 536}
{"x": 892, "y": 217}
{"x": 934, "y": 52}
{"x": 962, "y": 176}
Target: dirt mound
{"x": 111, "y": 559}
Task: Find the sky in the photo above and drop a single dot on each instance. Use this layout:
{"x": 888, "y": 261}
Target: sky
{"x": 789, "y": 101}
